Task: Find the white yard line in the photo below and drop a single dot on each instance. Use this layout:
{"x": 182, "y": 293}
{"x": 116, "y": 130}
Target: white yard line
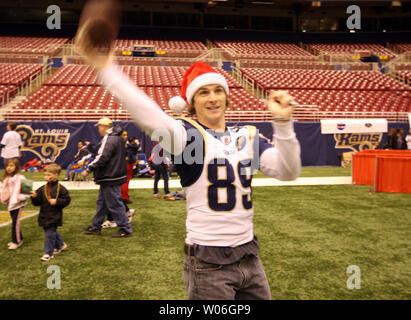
{"x": 257, "y": 182}
{"x": 25, "y": 217}
{"x": 306, "y": 181}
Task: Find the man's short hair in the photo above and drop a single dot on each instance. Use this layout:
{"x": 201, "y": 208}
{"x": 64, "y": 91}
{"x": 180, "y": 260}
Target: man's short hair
{"x": 53, "y": 168}
{"x": 12, "y": 125}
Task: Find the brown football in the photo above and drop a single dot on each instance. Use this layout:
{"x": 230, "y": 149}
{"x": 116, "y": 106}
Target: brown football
{"x": 100, "y": 20}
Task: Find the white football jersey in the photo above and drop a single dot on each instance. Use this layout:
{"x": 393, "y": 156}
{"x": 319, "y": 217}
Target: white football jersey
{"x": 218, "y": 189}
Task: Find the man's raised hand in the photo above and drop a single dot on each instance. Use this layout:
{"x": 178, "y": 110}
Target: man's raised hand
{"x": 281, "y": 104}
{"x": 98, "y": 28}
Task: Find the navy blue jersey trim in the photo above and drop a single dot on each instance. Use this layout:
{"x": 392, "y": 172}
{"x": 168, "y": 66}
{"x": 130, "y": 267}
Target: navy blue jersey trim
{"x": 190, "y": 172}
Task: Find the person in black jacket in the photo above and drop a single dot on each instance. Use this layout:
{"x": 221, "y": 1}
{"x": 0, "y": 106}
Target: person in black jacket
{"x": 51, "y": 198}
{"x": 391, "y": 136}
{"x": 399, "y": 142}
{"x": 110, "y": 172}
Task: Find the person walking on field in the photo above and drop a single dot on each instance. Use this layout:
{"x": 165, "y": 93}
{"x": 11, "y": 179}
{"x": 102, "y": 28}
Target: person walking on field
{"x": 52, "y": 199}
{"x": 159, "y": 163}
{"x": 110, "y": 172}
{"x": 215, "y": 164}
{"x": 131, "y": 154}
{"x": 131, "y": 160}
{"x": 15, "y": 200}
{"x": 10, "y": 143}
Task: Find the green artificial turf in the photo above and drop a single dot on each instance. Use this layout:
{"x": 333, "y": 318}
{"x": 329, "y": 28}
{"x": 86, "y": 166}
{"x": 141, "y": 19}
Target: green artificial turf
{"x": 309, "y": 235}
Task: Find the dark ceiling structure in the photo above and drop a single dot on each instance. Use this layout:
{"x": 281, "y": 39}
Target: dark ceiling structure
{"x": 248, "y": 15}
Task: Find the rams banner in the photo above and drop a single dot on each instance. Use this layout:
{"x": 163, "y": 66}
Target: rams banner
{"x": 46, "y": 145}
{"x": 57, "y": 141}
{"x": 355, "y": 134}
{"x": 319, "y": 149}
{"x": 357, "y": 141}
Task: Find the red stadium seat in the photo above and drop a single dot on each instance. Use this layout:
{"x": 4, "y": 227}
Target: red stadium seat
{"x": 32, "y": 45}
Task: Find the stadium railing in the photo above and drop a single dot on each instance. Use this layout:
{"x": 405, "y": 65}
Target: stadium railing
{"x": 50, "y": 49}
{"x": 36, "y": 80}
{"x": 398, "y": 67}
{"x": 30, "y": 85}
{"x": 303, "y": 113}
{"x": 22, "y": 58}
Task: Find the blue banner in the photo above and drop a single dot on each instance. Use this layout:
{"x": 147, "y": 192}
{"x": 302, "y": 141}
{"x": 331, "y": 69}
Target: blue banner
{"x": 57, "y": 140}
{"x": 324, "y": 149}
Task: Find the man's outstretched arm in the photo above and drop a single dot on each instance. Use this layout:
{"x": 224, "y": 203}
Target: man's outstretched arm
{"x": 144, "y": 111}
{"x": 283, "y": 161}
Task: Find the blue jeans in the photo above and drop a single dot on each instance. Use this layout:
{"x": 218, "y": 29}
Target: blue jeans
{"x": 242, "y": 280}
{"x": 160, "y": 171}
{"x": 52, "y": 241}
{"x": 109, "y": 201}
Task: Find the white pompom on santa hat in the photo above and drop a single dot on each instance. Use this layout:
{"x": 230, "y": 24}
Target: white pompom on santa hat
{"x": 198, "y": 75}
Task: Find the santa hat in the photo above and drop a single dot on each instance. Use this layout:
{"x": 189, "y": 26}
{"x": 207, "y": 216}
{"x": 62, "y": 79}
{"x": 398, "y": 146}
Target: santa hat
{"x": 198, "y": 75}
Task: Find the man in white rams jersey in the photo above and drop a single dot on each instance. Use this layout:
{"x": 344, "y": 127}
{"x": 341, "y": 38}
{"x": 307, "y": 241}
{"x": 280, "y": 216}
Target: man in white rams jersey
{"x": 215, "y": 164}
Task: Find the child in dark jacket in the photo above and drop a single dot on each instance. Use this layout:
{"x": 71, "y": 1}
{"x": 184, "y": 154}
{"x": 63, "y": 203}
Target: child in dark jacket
{"x": 51, "y": 198}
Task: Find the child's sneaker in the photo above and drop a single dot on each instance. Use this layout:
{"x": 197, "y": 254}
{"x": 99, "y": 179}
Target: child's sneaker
{"x": 15, "y": 246}
{"x": 109, "y": 224}
{"x": 63, "y": 247}
{"x": 46, "y": 257}
{"x": 130, "y": 214}
{"x": 157, "y": 196}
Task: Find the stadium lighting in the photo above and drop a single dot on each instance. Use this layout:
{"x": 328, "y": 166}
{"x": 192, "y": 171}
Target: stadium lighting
{"x": 263, "y": 2}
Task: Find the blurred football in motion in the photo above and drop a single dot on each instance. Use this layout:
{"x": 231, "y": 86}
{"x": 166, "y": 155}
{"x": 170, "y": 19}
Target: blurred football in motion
{"x": 99, "y": 22}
